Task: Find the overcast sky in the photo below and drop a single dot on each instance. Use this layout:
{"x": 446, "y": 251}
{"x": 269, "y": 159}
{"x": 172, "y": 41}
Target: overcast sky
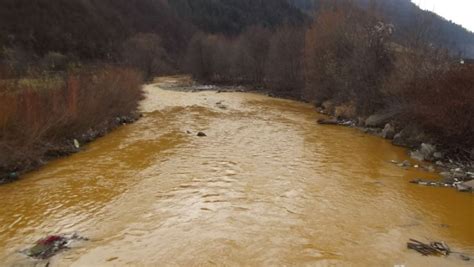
{"x": 459, "y": 11}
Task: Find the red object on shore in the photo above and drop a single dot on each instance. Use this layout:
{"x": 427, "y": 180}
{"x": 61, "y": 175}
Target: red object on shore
{"x": 49, "y": 240}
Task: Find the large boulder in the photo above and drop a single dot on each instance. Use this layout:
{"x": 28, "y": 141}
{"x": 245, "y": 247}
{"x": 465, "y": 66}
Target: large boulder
{"x": 328, "y": 106}
{"x": 346, "y": 111}
{"x": 425, "y": 152}
{"x": 379, "y": 120}
{"x": 465, "y": 186}
{"x": 469, "y": 184}
{"x": 410, "y": 136}
{"x": 388, "y": 131}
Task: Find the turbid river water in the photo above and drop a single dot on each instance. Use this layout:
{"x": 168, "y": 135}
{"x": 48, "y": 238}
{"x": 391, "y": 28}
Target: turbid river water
{"x": 267, "y": 186}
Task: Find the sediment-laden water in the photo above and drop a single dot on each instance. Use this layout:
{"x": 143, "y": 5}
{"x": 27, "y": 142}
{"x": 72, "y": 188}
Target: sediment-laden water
{"x": 267, "y": 186}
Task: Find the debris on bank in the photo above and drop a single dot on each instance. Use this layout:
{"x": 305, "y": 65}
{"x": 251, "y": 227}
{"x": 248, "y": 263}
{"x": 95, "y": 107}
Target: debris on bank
{"x": 336, "y": 121}
{"x": 49, "y": 246}
{"x": 457, "y": 169}
{"x": 430, "y": 183}
{"x": 433, "y": 249}
{"x": 460, "y": 182}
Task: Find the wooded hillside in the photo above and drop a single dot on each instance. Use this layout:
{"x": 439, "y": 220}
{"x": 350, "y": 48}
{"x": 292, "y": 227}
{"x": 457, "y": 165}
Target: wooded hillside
{"x": 408, "y": 18}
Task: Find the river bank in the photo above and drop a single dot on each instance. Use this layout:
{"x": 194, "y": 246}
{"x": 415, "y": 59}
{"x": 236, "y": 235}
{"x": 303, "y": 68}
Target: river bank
{"x": 456, "y": 171}
{"x": 266, "y": 186}
{"x": 45, "y": 116}
{"x": 66, "y": 147}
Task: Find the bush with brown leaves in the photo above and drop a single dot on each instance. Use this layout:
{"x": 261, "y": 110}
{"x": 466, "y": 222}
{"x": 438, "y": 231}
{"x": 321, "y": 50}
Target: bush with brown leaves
{"x": 40, "y": 114}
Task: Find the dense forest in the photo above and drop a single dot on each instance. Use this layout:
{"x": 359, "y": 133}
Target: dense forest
{"x": 62, "y": 58}
{"x": 96, "y": 29}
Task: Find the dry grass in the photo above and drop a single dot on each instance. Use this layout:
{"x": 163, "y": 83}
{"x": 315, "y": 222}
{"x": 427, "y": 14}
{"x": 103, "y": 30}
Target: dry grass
{"x": 36, "y": 117}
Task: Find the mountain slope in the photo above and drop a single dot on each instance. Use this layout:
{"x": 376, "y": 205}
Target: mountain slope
{"x": 89, "y": 29}
{"x": 232, "y": 16}
{"x": 95, "y": 29}
{"x": 408, "y": 18}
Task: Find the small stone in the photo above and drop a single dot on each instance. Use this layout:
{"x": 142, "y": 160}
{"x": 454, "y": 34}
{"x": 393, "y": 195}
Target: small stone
{"x": 201, "y": 134}
{"x": 464, "y": 257}
{"x": 438, "y": 155}
{"x": 77, "y": 144}
{"x": 416, "y": 166}
{"x": 13, "y": 176}
{"x": 450, "y": 181}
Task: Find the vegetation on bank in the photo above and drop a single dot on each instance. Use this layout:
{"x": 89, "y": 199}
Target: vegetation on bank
{"x": 348, "y": 57}
{"x": 70, "y": 68}
{"x": 41, "y": 118}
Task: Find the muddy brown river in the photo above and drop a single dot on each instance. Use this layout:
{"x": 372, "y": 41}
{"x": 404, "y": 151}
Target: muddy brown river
{"x": 266, "y": 187}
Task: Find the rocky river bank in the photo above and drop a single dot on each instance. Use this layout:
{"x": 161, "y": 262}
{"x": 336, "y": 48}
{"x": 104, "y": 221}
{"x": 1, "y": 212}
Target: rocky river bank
{"x": 456, "y": 171}
{"x": 245, "y": 179}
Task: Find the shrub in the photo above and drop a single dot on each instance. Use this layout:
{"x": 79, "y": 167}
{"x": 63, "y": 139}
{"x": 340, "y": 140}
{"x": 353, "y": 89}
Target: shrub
{"x": 442, "y": 104}
{"x": 145, "y": 52}
{"x": 284, "y": 70}
{"x": 347, "y": 57}
{"x": 34, "y": 117}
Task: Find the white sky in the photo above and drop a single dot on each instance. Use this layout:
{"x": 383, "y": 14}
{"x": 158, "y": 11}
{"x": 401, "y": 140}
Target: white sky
{"x": 459, "y": 11}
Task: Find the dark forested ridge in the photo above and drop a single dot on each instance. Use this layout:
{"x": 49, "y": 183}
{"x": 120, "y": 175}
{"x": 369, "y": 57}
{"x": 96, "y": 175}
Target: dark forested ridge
{"x": 96, "y": 28}
{"x": 232, "y": 16}
{"x": 92, "y": 29}
{"x": 408, "y": 17}
{"x": 88, "y": 29}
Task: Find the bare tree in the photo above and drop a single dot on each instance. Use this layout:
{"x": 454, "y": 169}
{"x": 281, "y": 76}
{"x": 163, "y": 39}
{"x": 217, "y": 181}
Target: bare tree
{"x": 284, "y": 70}
{"x": 144, "y": 51}
{"x": 252, "y": 52}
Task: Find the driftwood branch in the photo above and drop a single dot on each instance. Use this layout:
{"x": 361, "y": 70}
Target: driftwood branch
{"x": 432, "y": 249}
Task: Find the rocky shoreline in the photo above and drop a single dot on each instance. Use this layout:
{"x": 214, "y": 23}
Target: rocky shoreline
{"x": 456, "y": 172}
{"x": 67, "y": 147}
